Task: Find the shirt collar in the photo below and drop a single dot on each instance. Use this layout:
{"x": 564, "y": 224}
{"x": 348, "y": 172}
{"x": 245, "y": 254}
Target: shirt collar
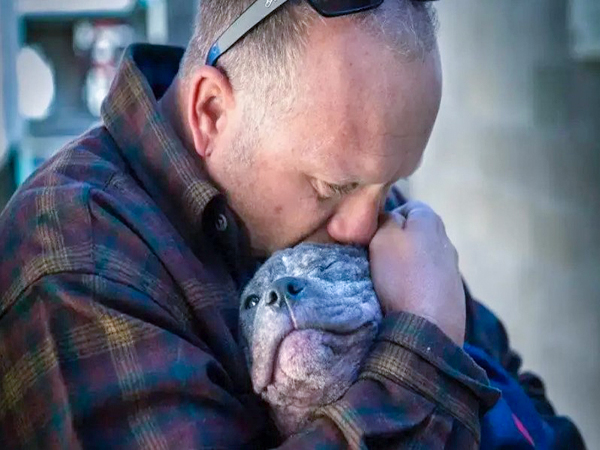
{"x": 165, "y": 168}
{"x": 168, "y": 172}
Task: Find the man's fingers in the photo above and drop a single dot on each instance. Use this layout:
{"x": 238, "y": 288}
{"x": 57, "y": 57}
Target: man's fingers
{"x": 420, "y": 214}
{"x": 420, "y": 250}
{"x": 397, "y": 217}
{"x": 414, "y": 206}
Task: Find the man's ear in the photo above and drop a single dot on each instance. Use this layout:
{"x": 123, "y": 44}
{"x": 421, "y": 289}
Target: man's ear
{"x": 210, "y": 103}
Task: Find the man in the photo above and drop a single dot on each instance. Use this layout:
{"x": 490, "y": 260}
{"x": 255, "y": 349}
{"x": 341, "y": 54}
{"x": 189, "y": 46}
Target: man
{"x": 123, "y": 256}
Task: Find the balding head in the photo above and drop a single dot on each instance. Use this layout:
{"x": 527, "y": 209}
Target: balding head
{"x": 263, "y": 64}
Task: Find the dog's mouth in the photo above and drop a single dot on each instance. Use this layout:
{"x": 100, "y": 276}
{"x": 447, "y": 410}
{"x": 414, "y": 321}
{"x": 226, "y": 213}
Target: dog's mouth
{"x": 304, "y": 353}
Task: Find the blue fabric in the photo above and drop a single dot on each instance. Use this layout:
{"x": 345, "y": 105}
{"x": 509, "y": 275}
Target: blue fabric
{"x": 499, "y": 429}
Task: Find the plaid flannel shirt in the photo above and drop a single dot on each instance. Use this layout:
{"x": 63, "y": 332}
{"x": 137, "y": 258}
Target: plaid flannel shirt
{"x": 120, "y": 272}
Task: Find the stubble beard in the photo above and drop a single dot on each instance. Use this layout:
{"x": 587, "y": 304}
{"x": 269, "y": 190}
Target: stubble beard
{"x": 242, "y": 173}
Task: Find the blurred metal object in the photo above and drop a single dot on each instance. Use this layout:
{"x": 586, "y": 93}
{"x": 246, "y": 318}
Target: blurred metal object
{"x": 108, "y": 42}
{"x": 584, "y": 24}
{"x": 10, "y": 123}
{"x": 83, "y": 36}
{"x": 83, "y": 42}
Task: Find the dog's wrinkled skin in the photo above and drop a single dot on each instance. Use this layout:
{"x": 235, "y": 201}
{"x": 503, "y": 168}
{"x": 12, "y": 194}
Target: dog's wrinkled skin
{"x": 307, "y": 320}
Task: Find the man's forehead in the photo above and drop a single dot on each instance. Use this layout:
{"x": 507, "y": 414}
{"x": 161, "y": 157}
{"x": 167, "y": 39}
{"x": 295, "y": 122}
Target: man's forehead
{"x": 369, "y": 165}
{"x": 367, "y": 125}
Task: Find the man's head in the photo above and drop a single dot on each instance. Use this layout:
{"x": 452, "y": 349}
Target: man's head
{"x": 307, "y": 121}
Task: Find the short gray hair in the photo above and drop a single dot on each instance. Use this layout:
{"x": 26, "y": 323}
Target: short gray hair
{"x": 264, "y": 62}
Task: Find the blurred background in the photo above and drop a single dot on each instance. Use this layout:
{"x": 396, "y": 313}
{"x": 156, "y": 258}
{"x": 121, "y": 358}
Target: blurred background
{"x": 513, "y": 166}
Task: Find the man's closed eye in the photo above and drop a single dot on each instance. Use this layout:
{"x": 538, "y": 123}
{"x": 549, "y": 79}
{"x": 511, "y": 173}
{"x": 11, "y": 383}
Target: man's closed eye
{"x": 328, "y": 191}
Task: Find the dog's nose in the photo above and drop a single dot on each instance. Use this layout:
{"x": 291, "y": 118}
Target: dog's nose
{"x": 290, "y": 288}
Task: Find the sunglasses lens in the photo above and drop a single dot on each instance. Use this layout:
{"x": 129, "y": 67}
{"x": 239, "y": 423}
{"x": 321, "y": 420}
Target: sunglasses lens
{"x": 341, "y": 7}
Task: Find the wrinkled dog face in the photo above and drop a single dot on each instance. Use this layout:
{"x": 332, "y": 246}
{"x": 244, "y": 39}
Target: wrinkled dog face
{"x": 307, "y": 320}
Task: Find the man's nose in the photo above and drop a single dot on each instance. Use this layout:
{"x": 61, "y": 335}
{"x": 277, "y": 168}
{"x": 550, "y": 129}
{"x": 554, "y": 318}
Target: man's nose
{"x": 356, "y": 219}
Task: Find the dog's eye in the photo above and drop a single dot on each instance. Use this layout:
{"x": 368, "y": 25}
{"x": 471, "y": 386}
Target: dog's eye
{"x": 326, "y": 267}
{"x": 251, "y": 301}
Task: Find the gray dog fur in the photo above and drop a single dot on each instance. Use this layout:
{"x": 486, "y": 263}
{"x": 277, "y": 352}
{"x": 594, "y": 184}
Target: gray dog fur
{"x": 307, "y": 320}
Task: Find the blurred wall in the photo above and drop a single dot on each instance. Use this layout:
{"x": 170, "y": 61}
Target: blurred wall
{"x": 513, "y": 168}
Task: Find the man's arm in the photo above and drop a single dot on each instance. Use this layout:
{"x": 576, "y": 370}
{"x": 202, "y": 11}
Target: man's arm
{"x": 75, "y": 373}
{"x": 428, "y": 392}
{"x": 485, "y": 331}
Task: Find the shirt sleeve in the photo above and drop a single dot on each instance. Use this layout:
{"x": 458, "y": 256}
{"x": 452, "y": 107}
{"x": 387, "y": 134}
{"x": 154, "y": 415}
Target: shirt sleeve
{"x": 76, "y": 373}
{"x": 422, "y": 390}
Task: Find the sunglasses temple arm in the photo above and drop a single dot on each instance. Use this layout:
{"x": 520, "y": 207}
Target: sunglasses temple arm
{"x": 256, "y": 13}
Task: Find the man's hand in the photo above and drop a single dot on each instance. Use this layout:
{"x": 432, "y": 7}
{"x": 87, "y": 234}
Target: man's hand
{"x": 414, "y": 267}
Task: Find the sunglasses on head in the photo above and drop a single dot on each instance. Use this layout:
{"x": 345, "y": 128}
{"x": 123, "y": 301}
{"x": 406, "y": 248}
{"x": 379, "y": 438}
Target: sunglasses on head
{"x": 261, "y": 9}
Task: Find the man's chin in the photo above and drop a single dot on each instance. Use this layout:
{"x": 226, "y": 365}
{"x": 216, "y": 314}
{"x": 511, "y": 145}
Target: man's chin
{"x": 265, "y": 250}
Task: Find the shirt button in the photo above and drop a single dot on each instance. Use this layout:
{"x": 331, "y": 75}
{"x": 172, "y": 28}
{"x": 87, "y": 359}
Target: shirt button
{"x": 221, "y": 223}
